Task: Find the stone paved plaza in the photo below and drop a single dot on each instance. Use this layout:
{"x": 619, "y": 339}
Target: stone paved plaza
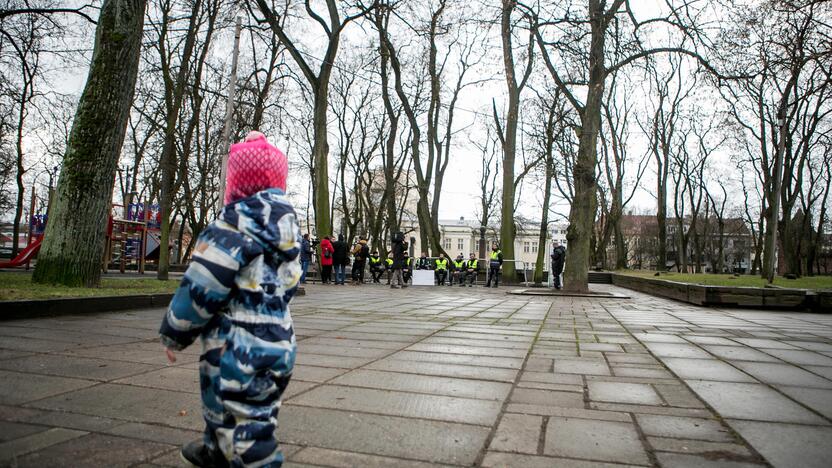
{"x": 442, "y": 376}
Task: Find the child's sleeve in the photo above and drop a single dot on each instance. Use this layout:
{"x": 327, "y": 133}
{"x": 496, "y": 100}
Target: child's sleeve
{"x": 205, "y": 288}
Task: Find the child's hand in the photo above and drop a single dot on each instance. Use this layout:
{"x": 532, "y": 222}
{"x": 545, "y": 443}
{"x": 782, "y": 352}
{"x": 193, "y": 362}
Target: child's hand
{"x": 170, "y": 355}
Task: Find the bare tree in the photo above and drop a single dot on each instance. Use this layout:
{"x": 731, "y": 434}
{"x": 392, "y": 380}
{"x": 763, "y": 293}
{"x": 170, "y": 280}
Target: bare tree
{"x": 551, "y": 105}
{"x": 507, "y": 131}
{"x": 717, "y": 253}
{"x": 668, "y": 92}
{"x": 23, "y": 59}
{"x": 617, "y": 109}
{"x": 783, "y": 43}
{"x": 591, "y": 27}
{"x": 490, "y": 166}
{"x": 469, "y": 47}
{"x": 333, "y": 26}
{"x": 174, "y": 96}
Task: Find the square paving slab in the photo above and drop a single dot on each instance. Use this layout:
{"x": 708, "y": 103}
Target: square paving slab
{"x": 595, "y": 440}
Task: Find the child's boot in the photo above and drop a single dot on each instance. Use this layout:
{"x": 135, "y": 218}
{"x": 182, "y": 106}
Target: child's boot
{"x": 197, "y": 454}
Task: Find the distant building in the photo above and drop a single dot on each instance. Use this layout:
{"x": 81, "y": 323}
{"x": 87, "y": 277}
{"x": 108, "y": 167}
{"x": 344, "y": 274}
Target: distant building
{"x": 463, "y": 236}
{"x": 641, "y": 237}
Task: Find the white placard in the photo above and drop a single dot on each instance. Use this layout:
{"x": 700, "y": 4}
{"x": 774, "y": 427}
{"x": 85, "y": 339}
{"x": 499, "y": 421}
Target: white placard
{"x": 423, "y": 278}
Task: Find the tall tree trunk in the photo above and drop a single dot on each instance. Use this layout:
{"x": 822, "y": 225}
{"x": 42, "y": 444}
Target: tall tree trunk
{"x": 584, "y": 203}
{"x": 428, "y": 230}
{"x": 507, "y": 228}
{"x": 389, "y": 196}
{"x": 774, "y": 196}
{"x": 757, "y": 262}
{"x": 721, "y": 248}
{"x": 20, "y": 171}
{"x": 168, "y": 159}
{"x": 621, "y": 260}
{"x": 75, "y": 235}
{"x": 543, "y": 238}
{"x": 320, "y": 155}
{"x": 661, "y": 221}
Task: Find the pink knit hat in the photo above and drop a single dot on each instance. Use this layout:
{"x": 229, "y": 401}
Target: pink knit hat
{"x": 254, "y": 165}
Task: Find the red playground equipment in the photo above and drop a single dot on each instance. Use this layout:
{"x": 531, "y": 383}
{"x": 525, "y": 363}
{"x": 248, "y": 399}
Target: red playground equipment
{"x": 25, "y": 256}
{"x": 37, "y": 226}
{"x": 131, "y": 240}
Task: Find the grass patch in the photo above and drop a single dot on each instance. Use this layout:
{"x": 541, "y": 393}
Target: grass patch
{"x": 19, "y": 286}
{"x": 806, "y": 282}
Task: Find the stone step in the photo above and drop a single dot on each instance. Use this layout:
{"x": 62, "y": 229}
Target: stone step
{"x": 600, "y": 277}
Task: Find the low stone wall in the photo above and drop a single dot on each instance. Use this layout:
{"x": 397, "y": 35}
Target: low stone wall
{"x": 12, "y": 310}
{"x": 728, "y": 296}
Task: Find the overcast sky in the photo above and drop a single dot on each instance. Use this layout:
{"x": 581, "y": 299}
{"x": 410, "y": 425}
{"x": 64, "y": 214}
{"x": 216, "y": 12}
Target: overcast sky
{"x": 460, "y": 194}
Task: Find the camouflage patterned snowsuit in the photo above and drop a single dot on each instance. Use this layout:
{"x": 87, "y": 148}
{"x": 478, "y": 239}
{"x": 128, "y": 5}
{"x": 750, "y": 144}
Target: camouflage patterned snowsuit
{"x": 235, "y": 296}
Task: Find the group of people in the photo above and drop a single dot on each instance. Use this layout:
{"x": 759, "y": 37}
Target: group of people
{"x": 335, "y": 255}
{"x": 398, "y": 265}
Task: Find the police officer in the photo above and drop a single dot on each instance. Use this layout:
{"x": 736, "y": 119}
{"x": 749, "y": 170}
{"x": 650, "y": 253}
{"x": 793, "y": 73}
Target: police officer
{"x": 376, "y": 267}
{"x": 441, "y": 269}
{"x": 388, "y": 264}
{"x": 423, "y": 263}
{"x": 458, "y": 274}
{"x": 471, "y": 270}
{"x": 495, "y": 263}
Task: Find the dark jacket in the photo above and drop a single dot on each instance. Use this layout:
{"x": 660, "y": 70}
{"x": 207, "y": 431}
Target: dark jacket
{"x": 340, "y": 257}
{"x": 398, "y": 255}
{"x": 558, "y": 256}
{"x": 305, "y": 251}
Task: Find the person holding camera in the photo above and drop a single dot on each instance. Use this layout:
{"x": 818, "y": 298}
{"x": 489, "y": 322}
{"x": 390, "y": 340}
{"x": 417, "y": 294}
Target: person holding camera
{"x": 398, "y": 261}
{"x": 305, "y": 257}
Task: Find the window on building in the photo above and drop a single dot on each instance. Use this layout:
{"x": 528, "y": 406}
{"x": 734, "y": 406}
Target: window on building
{"x": 554, "y": 231}
{"x": 460, "y": 244}
{"x": 534, "y": 247}
{"x": 446, "y": 243}
{"x": 525, "y": 247}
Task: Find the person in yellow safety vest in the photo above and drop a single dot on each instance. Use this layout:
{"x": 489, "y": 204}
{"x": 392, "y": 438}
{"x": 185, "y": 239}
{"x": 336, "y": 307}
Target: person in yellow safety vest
{"x": 495, "y": 263}
{"x": 389, "y": 265}
{"x": 471, "y": 270}
{"x": 458, "y": 273}
{"x": 376, "y": 267}
{"x": 441, "y": 269}
{"x": 407, "y": 269}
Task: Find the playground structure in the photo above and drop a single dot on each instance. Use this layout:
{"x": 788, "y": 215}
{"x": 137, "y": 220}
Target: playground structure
{"x": 132, "y": 240}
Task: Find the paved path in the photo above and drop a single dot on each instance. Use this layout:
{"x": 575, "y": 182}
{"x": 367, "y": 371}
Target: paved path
{"x": 426, "y": 377}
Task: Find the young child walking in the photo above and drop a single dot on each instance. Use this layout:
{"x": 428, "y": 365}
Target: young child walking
{"x": 235, "y": 297}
